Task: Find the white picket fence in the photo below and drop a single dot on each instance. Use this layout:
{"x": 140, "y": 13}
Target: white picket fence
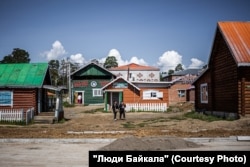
{"x": 16, "y": 115}
{"x": 160, "y": 107}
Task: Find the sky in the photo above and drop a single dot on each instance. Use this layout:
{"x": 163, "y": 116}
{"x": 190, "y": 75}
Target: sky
{"x": 160, "y": 33}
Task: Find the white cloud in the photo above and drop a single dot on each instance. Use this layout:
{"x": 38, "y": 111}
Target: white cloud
{"x": 55, "y": 52}
{"x": 137, "y": 61}
{"x": 120, "y": 61}
{"x": 196, "y": 63}
{"x": 77, "y": 58}
{"x": 169, "y": 60}
{"x": 117, "y": 55}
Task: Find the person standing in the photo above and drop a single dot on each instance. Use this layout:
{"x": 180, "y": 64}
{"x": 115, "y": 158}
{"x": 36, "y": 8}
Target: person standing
{"x": 115, "y": 108}
{"x": 79, "y": 98}
{"x": 122, "y": 107}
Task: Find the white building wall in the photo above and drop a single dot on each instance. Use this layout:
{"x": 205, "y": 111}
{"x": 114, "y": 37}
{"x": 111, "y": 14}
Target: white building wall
{"x": 146, "y": 76}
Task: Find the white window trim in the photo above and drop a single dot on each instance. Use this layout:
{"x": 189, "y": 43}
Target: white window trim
{"x": 147, "y": 95}
{"x": 11, "y": 102}
{"x": 201, "y": 86}
{"x": 99, "y": 91}
{"x": 179, "y": 93}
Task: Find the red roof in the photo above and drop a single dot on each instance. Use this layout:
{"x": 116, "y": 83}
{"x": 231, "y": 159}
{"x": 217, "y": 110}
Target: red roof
{"x": 237, "y": 36}
{"x": 134, "y": 67}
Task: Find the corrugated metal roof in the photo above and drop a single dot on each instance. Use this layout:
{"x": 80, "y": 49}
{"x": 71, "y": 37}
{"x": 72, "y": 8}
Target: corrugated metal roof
{"x": 117, "y": 80}
{"x": 237, "y": 36}
{"x": 92, "y": 71}
{"x": 23, "y": 75}
{"x": 134, "y": 67}
{"x": 187, "y": 71}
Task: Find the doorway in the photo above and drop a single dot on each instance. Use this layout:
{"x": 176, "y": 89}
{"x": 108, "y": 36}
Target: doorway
{"x": 79, "y": 97}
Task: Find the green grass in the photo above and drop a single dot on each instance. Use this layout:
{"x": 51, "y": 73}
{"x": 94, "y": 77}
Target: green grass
{"x": 66, "y": 104}
{"x": 203, "y": 117}
{"x": 129, "y": 125}
{"x": 13, "y": 123}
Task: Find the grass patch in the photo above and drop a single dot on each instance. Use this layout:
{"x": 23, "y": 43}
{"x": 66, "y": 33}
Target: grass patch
{"x": 141, "y": 125}
{"x": 94, "y": 111}
{"x": 129, "y": 125}
{"x": 66, "y": 104}
{"x": 13, "y": 122}
{"x": 203, "y": 117}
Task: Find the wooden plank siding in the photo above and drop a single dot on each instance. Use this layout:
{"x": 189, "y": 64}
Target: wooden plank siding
{"x": 132, "y": 95}
{"x": 224, "y": 78}
{"x": 22, "y": 99}
{"x": 203, "y": 106}
{"x": 244, "y": 90}
{"x": 228, "y": 72}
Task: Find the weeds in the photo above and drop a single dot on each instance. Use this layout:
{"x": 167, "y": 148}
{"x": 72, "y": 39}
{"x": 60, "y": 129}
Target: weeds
{"x": 129, "y": 125}
{"x": 13, "y": 122}
{"x": 66, "y": 104}
{"x": 203, "y": 117}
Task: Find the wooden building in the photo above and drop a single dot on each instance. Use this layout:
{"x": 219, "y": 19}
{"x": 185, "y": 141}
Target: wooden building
{"x": 136, "y": 93}
{"x": 87, "y": 83}
{"x": 224, "y": 87}
{"x": 135, "y": 72}
{"x": 21, "y": 86}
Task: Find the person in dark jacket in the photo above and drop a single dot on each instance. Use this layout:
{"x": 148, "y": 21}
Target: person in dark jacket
{"x": 122, "y": 107}
{"x": 115, "y": 108}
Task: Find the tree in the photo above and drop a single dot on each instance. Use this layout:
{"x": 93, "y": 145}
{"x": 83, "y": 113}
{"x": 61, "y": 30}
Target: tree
{"x": 110, "y": 62}
{"x": 179, "y": 67}
{"x": 17, "y": 56}
{"x": 53, "y": 69}
{"x": 170, "y": 72}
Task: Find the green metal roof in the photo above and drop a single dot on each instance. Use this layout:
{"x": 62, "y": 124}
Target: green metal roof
{"x": 23, "y": 75}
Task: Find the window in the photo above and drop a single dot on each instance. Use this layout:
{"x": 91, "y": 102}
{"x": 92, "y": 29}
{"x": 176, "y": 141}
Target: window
{"x": 97, "y": 92}
{"x": 181, "y": 93}
{"x": 6, "y": 98}
{"x": 204, "y": 93}
{"x": 152, "y": 94}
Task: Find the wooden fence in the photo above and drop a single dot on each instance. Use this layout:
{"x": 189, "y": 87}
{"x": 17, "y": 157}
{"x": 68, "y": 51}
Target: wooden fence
{"x": 160, "y": 107}
{"x": 17, "y": 115}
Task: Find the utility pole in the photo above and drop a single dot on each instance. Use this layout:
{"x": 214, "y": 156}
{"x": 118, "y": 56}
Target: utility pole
{"x": 69, "y": 84}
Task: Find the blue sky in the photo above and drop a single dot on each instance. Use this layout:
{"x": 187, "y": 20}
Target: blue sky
{"x": 159, "y": 33}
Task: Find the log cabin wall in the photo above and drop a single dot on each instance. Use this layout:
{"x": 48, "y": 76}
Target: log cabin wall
{"x": 224, "y": 77}
{"x": 22, "y": 99}
{"x": 132, "y": 95}
{"x": 205, "y": 79}
{"x": 244, "y": 90}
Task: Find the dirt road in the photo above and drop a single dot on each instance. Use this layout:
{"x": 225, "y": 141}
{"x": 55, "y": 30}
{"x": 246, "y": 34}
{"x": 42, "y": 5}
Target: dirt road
{"x": 79, "y": 120}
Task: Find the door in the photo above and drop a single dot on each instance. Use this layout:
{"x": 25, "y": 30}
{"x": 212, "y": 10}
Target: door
{"x": 79, "y": 97}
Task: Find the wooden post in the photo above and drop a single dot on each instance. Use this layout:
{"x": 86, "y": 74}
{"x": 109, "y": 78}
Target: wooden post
{"x": 106, "y": 101}
{"x": 243, "y": 90}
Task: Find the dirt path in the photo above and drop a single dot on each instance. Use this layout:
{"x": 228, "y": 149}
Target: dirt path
{"x": 140, "y": 124}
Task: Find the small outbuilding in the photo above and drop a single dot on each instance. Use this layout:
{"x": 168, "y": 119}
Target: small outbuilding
{"x": 224, "y": 87}
{"x": 21, "y": 86}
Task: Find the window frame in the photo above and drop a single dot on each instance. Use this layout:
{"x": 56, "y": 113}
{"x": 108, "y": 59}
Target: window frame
{"x": 11, "y": 98}
{"x": 202, "y": 86}
{"x": 180, "y": 94}
{"x": 150, "y": 95}
{"x": 99, "y": 92}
